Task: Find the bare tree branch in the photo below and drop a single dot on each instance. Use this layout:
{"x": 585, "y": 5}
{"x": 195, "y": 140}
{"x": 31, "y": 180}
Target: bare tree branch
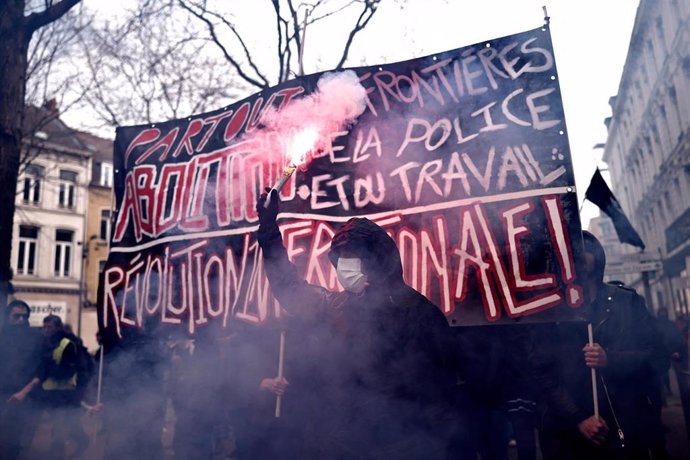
{"x": 231, "y": 60}
{"x": 364, "y": 18}
{"x": 314, "y": 19}
{"x": 279, "y": 22}
{"x": 247, "y": 54}
{"x": 297, "y": 35}
{"x": 52, "y": 13}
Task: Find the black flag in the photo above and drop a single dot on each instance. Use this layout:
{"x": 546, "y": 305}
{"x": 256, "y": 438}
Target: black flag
{"x": 599, "y": 193}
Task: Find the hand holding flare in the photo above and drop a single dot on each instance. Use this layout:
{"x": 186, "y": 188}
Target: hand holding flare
{"x": 300, "y": 145}
{"x": 337, "y": 102}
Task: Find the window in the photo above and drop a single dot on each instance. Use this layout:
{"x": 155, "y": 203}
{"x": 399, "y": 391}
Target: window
{"x": 32, "y": 184}
{"x": 105, "y": 225}
{"x": 28, "y": 242}
{"x": 66, "y": 189}
{"x": 63, "y": 253}
{"x": 106, "y": 179}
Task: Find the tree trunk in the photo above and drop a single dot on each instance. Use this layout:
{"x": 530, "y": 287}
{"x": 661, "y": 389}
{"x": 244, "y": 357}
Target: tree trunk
{"x": 15, "y": 34}
{"x": 13, "y": 57}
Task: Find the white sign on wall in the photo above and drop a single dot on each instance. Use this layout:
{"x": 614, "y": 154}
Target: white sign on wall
{"x": 40, "y": 310}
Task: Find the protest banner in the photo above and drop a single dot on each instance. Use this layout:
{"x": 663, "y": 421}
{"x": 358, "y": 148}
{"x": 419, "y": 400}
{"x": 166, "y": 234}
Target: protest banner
{"x": 462, "y": 156}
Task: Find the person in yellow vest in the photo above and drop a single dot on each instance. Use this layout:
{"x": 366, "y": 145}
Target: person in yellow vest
{"x": 57, "y": 379}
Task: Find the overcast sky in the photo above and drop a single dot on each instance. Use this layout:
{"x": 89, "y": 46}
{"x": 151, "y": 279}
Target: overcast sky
{"x": 590, "y": 40}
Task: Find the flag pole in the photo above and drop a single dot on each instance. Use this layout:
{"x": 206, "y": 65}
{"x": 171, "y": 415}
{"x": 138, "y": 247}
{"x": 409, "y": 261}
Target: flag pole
{"x": 100, "y": 375}
{"x": 100, "y": 361}
{"x": 595, "y": 392}
{"x": 281, "y": 365}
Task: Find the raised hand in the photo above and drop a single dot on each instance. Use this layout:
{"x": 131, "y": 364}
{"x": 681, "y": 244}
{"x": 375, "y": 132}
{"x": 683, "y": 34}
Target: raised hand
{"x": 268, "y": 206}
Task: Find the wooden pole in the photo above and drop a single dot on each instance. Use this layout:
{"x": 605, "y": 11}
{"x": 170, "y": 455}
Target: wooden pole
{"x": 281, "y": 364}
{"x": 595, "y": 392}
{"x": 100, "y": 360}
{"x": 100, "y": 376}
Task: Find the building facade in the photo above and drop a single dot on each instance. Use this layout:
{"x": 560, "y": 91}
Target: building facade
{"x": 97, "y": 229}
{"x": 49, "y": 221}
{"x": 648, "y": 147}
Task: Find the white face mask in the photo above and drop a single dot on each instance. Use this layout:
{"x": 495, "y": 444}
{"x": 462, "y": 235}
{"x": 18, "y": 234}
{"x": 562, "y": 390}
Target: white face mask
{"x": 349, "y": 271}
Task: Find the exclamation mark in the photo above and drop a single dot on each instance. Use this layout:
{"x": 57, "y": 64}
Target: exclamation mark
{"x": 554, "y": 214}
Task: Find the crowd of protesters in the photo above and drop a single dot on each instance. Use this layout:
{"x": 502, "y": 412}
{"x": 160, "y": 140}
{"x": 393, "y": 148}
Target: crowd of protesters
{"x": 371, "y": 372}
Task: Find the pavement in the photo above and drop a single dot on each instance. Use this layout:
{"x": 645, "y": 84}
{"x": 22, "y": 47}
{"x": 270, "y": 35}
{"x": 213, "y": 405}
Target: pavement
{"x": 672, "y": 415}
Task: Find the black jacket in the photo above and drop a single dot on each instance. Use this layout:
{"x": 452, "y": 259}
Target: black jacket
{"x": 19, "y": 357}
{"x": 381, "y": 354}
{"x": 636, "y": 358}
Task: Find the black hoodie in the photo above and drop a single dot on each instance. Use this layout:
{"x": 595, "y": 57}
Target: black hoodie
{"x": 19, "y": 357}
{"x": 382, "y": 357}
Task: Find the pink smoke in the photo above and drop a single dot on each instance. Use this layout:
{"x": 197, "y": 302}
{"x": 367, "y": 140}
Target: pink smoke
{"x": 305, "y": 124}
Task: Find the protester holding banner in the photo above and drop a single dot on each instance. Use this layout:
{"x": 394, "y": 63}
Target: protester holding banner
{"x": 19, "y": 355}
{"x": 629, "y": 357}
{"x": 386, "y": 379}
{"x": 252, "y": 357}
{"x": 462, "y": 160}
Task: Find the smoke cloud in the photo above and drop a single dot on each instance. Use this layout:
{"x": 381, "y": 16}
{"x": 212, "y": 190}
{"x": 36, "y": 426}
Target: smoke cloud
{"x": 335, "y": 105}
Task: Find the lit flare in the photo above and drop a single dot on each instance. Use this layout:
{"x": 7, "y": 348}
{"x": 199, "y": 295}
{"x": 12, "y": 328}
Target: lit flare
{"x": 300, "y": 145}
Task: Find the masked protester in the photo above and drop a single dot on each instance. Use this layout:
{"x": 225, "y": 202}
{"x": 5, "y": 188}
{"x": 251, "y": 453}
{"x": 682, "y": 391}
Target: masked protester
{"x": 629, "y": 356}
{"x": 19, "y": 356}
{"x": 57, "y": 377}
{"x": 381, "y": 345}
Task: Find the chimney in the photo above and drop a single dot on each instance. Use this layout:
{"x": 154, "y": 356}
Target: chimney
{"x": 51, "y": 106}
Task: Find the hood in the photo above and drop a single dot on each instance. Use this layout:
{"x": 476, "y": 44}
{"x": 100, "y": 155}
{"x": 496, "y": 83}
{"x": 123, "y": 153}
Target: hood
{"x": 372, "y": 244}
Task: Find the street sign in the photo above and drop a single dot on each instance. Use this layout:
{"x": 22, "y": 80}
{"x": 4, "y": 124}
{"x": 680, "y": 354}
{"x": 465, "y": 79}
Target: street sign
{"x": 630, "y": 268}
{"x": 636, "y": 258}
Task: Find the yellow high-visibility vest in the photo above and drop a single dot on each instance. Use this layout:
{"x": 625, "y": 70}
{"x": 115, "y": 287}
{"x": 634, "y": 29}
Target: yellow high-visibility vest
{"x": 66, "y": 384}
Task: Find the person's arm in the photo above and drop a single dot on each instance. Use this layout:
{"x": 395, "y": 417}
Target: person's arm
{"x": 293, "y": 292}
{"x": 551, "y": 390}
{"x": 24, "y": 392}
{"x": 40, "y": 374}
